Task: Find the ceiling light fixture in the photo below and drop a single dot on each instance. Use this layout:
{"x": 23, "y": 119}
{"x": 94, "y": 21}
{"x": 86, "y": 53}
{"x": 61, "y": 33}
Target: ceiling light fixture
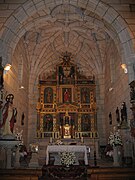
{"x": 21, "y": 87}
{"x": 110, "y": 89}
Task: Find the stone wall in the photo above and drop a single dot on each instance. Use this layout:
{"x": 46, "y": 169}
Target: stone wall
{"x": 17, "y": 16}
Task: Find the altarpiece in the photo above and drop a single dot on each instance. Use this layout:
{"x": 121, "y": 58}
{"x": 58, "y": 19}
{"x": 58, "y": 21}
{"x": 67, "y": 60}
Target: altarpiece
{"x": 67, "y": 103}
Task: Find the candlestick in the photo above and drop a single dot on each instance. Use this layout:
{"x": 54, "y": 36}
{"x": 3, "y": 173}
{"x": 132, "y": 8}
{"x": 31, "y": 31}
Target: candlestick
{"x": 50, "y": 139}
{"x": 82, "y": 139}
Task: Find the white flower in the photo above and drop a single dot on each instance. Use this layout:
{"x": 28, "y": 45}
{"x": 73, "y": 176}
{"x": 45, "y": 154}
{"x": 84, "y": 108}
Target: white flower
{"x": 115, "y": 139}
{"x": 67, "y": 158}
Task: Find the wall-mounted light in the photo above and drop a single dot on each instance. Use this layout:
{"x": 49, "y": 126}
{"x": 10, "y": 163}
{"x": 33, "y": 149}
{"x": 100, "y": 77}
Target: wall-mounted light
{"x": 124, "y": 67}
{"x": 110, "y": 89}
{"x": 21, "y": 87}
{"x": 7, "y": 67}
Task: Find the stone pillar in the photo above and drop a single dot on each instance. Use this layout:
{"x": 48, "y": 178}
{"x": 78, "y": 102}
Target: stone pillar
{"x": 8, "y": 145}
{"x": 127, "y": 146}
{"x": 34, "y": 160}
{"x": 9, "y": 152}
{"x": 17, "y": 159}
{"x": 115, "y": 156}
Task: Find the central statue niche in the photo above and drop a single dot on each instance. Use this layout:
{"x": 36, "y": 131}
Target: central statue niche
{"x": 67, "y": 125}
{"x": 67, "y": 95}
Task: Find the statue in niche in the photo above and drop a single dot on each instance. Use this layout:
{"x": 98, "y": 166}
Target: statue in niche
{"x": 48, "y": 123}
{"x": 117, "y": 115}
{"x": 123, "y": 123}
{"x": 72, "y": 72}
{"x": 67, "y": 95}
{"x": 48, "y": 95}
{"x": 67, "y": 126}
{"x": 85, "y": 122}
{"x": 67, "y": 118}
{"x": 66, "y": 74}
{"x": 85, "y": 95}
{"x": 132, "y": 93}
{"x": 123, "y": 113}
{"x": 110, "y": 118}
{"x": 61, "y": 75}
{"x": 66, "y": 70}
{"x": 22, "y": 119}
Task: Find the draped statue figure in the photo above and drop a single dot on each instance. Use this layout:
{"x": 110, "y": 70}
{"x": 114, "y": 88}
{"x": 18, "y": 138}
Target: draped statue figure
{"x": 9, "y": 114}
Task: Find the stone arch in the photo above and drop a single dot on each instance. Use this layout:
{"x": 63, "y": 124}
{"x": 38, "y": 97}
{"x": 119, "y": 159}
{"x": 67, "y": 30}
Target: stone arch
{"x": 11, "y": 35}
{"x": 15, "y": 27}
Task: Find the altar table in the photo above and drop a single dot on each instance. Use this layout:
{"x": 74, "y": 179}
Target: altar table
{"x": 67, "y": 148}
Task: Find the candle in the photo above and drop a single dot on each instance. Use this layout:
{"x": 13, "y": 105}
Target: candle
{"x": 50, "y": 139}
{"x": 82, "y": 139}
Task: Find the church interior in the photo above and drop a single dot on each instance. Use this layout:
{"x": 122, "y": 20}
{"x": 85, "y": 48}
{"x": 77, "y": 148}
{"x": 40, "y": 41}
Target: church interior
{"x": 67, "y": 89}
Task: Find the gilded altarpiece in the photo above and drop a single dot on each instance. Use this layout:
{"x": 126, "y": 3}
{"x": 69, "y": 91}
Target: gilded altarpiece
{"x": 67, "y": 103}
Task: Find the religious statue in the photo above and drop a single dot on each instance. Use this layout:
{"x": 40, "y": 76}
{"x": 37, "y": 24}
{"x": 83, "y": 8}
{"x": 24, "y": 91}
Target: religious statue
{"x": 85, "y": 95}
{"x": 66, "y": 118}
{"x": 61, "y": 75}
{"x": 85, "y": 122}
{"x": 22, "y": 119}
{"x": 117, "y": 115}
{"x": 124, "y": 123}
{"x": 9, "y": 114}
{"x": 48, "y": 123}
{"x": 123, "y": 112}
{"x": 48, "y": 95}
{"x": 67, "y": 96}
{"x": 110, "y": 118}
{"x": 67, "y": 126}
{"x": 132, "y": 93}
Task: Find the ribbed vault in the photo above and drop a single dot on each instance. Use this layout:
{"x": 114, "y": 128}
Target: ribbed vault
{"x": 49, "y": 28}
{"x": 67, "y": 29}
{"x": 38, "y": 32}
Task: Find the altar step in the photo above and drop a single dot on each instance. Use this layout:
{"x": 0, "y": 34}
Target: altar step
{"x": 93, "y": 173}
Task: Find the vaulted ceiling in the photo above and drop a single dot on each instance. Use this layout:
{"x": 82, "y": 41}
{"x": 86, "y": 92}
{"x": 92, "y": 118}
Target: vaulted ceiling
{"x": 67, "y": 28}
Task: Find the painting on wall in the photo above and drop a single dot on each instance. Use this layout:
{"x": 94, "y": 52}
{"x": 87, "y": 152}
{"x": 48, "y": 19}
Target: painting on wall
{"x": 48, "y": 123}
{"x": 85, "y": 95}
{"x": 85, "y": 122}
{"x": 48, "y": 95}
{"x": 67, "y": 95}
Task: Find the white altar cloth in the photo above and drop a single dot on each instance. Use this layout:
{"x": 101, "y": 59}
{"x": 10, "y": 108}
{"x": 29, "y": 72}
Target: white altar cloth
{"x": 67, "y": 148}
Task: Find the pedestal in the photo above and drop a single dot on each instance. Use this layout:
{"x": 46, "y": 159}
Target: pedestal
{"x": 8, "y": 166}
{"x": 127, "y": 145}
{"x": 67, "y": 131}
{"x": 8, "y": 144}
{"x": 34, "y": 161}
{"x": 17, "y": 162}
{"x": 124, "y": 125}
{"x": 115, "y": 156}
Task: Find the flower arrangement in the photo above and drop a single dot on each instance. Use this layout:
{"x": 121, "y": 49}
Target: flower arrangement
{"x": 67, "y": 158}
{"x": 34, "y": 147}
{"x": 115, "y": 138}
